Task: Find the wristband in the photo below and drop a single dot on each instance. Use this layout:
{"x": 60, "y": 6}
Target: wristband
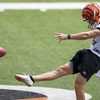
{"x": 68, "y": 36}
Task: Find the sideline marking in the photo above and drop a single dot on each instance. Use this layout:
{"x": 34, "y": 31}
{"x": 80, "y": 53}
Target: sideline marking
{"x": 52, "y": 93}
{"x": 45, "y": 5}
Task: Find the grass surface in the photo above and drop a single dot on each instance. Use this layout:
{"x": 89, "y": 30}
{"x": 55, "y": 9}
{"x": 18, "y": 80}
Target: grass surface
{"x": 28, "y": 37}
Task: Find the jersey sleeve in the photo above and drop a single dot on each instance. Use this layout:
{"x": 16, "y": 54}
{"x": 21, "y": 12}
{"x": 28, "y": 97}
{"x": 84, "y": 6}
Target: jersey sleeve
{"x": 98, "y": 27}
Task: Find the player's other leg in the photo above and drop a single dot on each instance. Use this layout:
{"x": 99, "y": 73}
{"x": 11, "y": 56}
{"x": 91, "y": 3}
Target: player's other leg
{"x": 79, "y": 87}
{"x": 62, "y": 70}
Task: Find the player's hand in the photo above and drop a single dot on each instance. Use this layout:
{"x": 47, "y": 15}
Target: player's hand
{"x": 60, "y": 36}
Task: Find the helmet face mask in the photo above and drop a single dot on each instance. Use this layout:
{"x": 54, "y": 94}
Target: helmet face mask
{"x": 91, "y": 22}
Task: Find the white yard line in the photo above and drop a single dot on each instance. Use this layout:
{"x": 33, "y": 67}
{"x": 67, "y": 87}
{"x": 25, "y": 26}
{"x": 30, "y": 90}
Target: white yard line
{"x": 32, "y": 6}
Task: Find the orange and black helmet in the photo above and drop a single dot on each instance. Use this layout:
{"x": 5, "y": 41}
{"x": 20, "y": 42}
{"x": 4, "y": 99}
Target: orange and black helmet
{"x": 91, "y": 12}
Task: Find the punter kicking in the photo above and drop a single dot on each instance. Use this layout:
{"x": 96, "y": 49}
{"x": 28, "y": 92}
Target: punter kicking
{"x": 85, "y": 62}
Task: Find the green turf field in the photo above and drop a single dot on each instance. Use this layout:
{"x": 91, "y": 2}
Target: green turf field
{"x": 28, "y": 37}
{"x": 49, "y": 0}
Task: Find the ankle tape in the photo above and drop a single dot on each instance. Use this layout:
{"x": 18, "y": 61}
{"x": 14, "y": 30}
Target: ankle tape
{"x": 32, "y": 79}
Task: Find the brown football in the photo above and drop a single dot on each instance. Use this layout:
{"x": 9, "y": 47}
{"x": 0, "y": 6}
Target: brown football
{"x": 2, "y": 51}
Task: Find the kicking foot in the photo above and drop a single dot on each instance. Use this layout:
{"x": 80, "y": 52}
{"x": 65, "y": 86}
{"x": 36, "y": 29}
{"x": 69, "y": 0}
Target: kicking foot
{"x": 27, "y": 79}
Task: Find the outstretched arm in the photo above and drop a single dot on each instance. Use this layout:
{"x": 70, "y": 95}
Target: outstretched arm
{"x": 78, "y": 36}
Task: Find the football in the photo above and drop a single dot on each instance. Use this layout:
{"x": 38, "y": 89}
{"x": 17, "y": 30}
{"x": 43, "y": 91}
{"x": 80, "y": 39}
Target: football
{"x": 2, "y": 51}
